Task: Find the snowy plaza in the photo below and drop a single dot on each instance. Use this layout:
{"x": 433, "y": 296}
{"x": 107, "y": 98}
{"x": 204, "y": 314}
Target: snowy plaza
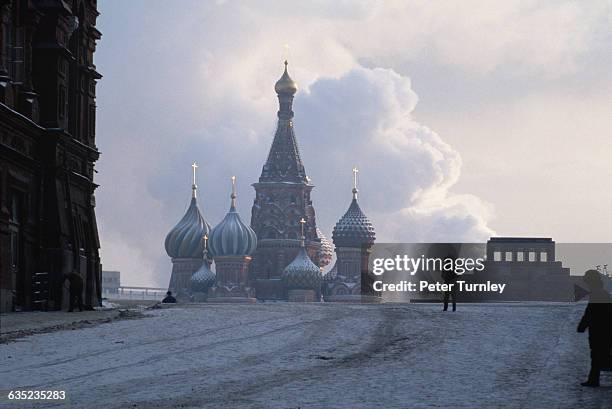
{"x": 286, "y": 355}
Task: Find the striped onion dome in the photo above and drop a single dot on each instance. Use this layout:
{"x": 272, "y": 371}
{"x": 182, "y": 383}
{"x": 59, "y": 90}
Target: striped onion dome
{"x": 232, "y": 237}
{"x": 326, "y": 251}
{"x": 302, "y": 273}
{"x": 185, "y": 239}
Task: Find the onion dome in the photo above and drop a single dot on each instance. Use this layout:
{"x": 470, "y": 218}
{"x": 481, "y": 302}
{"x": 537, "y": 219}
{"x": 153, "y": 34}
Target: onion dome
{"x": 204, "y": 277}
{"x": 285, "y": 85}
{"x": 302, "y": 273}
{"x": 332, "y": 274}
{"x": 185, "y": 239}
{"x": 326, "y": 251}
{"x": 354, "y": 229}
{"x": 232, "y": 237}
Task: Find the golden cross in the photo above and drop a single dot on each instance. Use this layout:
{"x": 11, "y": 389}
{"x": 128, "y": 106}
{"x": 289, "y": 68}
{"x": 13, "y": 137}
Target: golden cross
{"x": 233, "y": 196}
{"x": 205, "y": 237}
{"x": 286, "y": 54}
{"x": 355, "y": 171}
{"x": 194, "y": 187}
{"x": 194, "y": 166}
{"x": 302, "y": 222}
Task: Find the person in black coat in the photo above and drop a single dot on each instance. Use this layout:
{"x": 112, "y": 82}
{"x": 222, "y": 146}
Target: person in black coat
{"x": 169, "y": 298}
{"x": 450, "y": 278}
{"x": 597, "y": 319}
{"x": 75, "y": 289}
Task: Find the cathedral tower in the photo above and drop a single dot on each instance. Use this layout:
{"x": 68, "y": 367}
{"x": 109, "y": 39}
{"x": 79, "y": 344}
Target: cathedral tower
{"x": 231, "y": 243}
{"x": 353, "y": 237}
{"x": 282, "y": 199}
{"x": 185, "y": 245}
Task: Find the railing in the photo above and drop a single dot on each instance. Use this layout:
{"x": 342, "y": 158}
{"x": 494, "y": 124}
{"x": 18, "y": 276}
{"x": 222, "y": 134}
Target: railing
{"x": 135, "y": 293}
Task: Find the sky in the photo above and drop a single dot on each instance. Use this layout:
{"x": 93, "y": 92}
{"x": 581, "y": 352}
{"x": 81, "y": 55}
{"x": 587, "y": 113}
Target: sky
{"x": 466, "y": 119}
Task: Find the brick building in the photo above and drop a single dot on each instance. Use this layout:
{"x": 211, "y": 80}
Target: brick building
{"x": 47, "y": 151}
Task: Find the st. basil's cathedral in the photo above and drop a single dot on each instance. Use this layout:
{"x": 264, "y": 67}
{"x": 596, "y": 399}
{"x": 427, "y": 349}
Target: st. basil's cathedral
{"x": 282, "y": 254}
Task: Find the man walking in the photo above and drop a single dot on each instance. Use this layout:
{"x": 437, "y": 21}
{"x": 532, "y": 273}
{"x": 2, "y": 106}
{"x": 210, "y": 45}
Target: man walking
{"x": 450, "y": 279}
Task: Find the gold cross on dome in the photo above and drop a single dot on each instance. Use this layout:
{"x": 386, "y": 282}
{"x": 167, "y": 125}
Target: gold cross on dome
{"x": 205, "y": 252}
{"x": 194, "y": 187}
{"x": 233, "y": 196}
{"x": 302, "y": 222}
{"x": 355, "y": 171}
{"x": 194, "y": 166}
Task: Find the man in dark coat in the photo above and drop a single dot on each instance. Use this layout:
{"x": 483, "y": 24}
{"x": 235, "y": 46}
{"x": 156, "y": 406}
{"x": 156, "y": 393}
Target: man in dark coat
{"x": 75, "y": 289}
{"x": 597, "y": 319}
{"x": 450, "y": 278}
{"x": 169, "y": 298}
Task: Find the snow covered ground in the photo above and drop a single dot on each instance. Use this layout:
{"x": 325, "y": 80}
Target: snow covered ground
{"x": 282, "y": 355}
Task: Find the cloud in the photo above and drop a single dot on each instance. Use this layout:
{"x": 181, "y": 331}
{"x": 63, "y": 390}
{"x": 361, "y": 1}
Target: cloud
{"x": 551, "y": 38}
{"x": 365, "y": 118}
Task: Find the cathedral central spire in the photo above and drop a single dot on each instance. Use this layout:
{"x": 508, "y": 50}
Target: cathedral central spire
{"x": 282, "y": 214}
{"x": 284, "y": 163}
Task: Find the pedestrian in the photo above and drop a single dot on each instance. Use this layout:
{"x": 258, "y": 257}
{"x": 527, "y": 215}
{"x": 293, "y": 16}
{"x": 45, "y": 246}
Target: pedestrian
{"x": 597, "y": 319}
{"x": 169, "y": 298}
{"x": 450, "y": 279}
{"x": 75, "y": 290}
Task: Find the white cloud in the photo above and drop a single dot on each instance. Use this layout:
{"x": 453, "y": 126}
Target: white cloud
{"x": 365, "y": 118}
